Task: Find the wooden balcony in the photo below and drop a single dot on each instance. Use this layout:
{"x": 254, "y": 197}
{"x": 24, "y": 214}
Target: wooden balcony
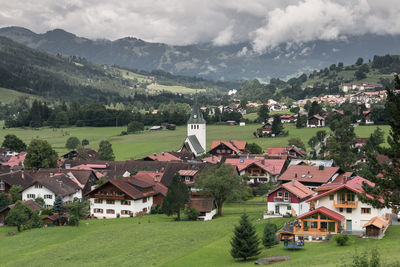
{"x": 282, "y": 199}
{"x": 345, "y": 204}
{"x": 109, "y": 196}
{"x": 311, "y": 231}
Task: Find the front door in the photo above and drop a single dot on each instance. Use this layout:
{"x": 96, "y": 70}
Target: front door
{"x": 276, "y": 209}
{"x": 331, "y": 227}
{"x": 348, "y": 225}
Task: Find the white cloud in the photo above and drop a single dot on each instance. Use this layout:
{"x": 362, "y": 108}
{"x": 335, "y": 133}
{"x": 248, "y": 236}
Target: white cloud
{"x": 266, "y": 24}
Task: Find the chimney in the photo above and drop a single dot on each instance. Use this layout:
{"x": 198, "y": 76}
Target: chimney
{"x": 295, "y": 175}
{"x": 293, "y": 182}
{"x": 22, "y": 175}
{"x": 321, "y": 167}
{"x": 263, "y": 162}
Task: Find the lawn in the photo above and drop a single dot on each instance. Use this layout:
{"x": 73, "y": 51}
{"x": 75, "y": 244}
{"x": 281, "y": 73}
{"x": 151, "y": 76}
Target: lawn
{"x": 156, "y": 240}
{"x": 175, "y": 89}
{"x": 140, "y": 145}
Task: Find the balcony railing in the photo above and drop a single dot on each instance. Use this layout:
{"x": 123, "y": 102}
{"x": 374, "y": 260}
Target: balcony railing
{"x": 310, "y": 231}
{"x": 345, "y": 204}
{"x": 282, "y": 199}
{"x": 109, "y": 196}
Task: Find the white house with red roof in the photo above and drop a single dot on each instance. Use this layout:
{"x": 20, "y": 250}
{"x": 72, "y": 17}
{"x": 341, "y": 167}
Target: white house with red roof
{"x": 341, "y": 198}
{"x": 259, "y": 170}
{"x": 289, "y": 198}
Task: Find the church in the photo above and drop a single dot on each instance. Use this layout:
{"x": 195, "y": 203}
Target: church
{"x": 195, "y": 141}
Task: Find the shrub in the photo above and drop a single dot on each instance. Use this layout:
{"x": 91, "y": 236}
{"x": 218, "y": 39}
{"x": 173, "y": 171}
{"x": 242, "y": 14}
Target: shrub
{"x": 118, "y": 215}
{"x": 73, "y": 221}
{"x": 124, "y": 133}
{"x": 72, "y": 143}
{"x": 269, "y": 237}
{"x": 47, "y": 212}
{"x": 135, "y": 126}
{"x": 157, "y": 209}
{"x": 192, "y": 214}
{"x": 341, "y": 240}
{"x": 85, "y": 142}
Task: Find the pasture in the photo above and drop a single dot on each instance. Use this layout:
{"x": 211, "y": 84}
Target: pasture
{"x": 158, "y": 240}
{"x": 143, "y": 144}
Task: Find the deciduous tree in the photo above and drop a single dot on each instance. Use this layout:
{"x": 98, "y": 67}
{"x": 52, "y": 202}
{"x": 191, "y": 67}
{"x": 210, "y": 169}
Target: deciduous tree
{"x": 19, "y": 215}
{"x": 12, "y": 142}
{"x": 105, "y": 151}
{"x": 72, "y": 142}
{"x": 40, "y": 155}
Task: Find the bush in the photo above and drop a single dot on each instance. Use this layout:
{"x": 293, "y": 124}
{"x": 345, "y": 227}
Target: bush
{"x": 341, "y": 240}
{"x": 157, "y": 209}
{"x": 47, "y": 212}
{"x": 85, "y": 142}
{"x": 124, "y": 133}
{"x": 192, "y": 214}
{"x": 135, "y": 126}
{"x": 72, "y": 143}
{"x": 262, "y": 189}
{"x": 118, "y": 215}
{"x": 73, "y": 221}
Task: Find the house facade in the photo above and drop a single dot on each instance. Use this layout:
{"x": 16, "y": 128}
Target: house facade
{"x": 289, "y": 198}
{"x": 227, "y": 148}
{"x": 316, "y": 121}
{"x": 122, "y": 197}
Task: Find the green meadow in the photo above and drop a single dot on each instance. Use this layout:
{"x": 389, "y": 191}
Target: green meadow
{"x": 142, "y": 144}
{"x": 157, "y": 240}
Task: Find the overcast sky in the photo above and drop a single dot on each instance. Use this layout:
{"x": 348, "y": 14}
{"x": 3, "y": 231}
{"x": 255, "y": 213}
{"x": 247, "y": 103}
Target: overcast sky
{"x": 264, "y": 23}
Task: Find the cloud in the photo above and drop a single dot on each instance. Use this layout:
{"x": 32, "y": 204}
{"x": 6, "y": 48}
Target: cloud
{"x": 264, "y": 24}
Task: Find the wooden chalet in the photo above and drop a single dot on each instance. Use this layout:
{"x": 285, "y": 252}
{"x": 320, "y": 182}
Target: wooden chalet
{"x": 227, "y": 148}
{"x": 316, "y": 121}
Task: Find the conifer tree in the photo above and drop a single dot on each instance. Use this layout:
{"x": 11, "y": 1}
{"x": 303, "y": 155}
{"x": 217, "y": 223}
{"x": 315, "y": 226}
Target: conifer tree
{"x": 269, "y": 237}
{"x": 387, "y": 188}
{"x": 245, "y": 243}
{"x": 58, "y": 205}
{"x": 176, "y": 197}
{"x": 105, "y": 151}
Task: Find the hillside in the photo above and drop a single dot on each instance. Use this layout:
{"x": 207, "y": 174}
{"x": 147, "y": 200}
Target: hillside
{"x": 31, "y": 72}
{"x": 325, "y": 81}
{"x": 231, "y": 62}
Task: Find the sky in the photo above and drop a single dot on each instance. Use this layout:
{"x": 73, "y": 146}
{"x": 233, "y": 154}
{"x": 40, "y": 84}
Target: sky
{"x": 263, "y": 23}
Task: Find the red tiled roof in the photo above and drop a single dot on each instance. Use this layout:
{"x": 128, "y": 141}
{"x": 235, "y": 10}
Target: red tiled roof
{"x": 354, "y": 185}
{"x": 212, "y": 159}
{"x": 240, "y": 164}
{"x": 236, "y": 146}
{"x": 272, "y": 166}
{"x": 276, "y": 150}
{"x": 312, "y": 174}
{"x": 155, "y": 176}
{"x": 187, "y": 172}
{"x": 318, "y": 117}
{"x": 298, "y": 189}
{"x": 330, "y": 213}
{"x": 157, "y": 186}
{"x": 165, "y": 156}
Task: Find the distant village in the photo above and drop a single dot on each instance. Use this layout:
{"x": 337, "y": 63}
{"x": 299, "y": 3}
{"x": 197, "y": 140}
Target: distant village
{"x": 323, "y": 197}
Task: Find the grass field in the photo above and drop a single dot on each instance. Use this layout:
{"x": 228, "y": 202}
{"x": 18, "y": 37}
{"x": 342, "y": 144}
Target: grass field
{"x": 146, "y": 143}
{"x": 7, "y": 96}
{"x": 175, "y": 89}
{"x": 156, "y": 240}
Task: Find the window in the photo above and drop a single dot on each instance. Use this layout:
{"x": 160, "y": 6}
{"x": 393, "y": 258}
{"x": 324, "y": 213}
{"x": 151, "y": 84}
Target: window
{"x": 289, "y": 207}
{"x": 349, "y": 210}
{"x": 110, "y": 211}
{"x": 365, "y": 210}
{"x": 191, "y": 126}
{"x": 144, "y": 210}
{"x": 286, "y": 195}
{"x": 48, "y": 197}
{"x": 30, "y": 196}
{"x": 279, "y": 194}
{"x": 331, "y": 197}
{"x": 125, "y": 212}
{"x": 38, "y": 186}
{"x": 98, "y": 201}
{"x": 144, "y": 200}
{"x": 341, "y": 209}
{"x": 98, "y": 210}
{"x": 110, "y": 201}
{"x": 2, "y": 186}
{"x": 125, "y": 202}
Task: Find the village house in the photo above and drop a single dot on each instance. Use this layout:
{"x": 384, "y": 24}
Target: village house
{"x": 315, "y": 121}
{"x": 205, "y": 205}
{"x": 258, "y": 170}
{"x": 164, "y": 156}
{"x": 367, "y": 117}
{"x": 30, "y": 203}
{"x": 310, "y": 176}
{"x": 48, "y": 187}
{"x": 227, "y": 148}
{"x": 123, "y": 197}
{"x": 336, "y": 209}
{"x": 18, "y": 178}
{"x": 287, "y": 118}
{"x": 289, "y": 198}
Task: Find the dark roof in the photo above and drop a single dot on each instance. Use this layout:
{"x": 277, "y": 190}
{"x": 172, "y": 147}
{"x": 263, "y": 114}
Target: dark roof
{"x": 288, "y": 227}
{"x": 196, "y": 144}
{"x": 30, "y": 203}
{"x": 60, "y": 185}
{"x": 196, "y": 117}
{"x": 202, "y": 204}
{"x": 22, "y": 178}
{"x": 81, "y": 175}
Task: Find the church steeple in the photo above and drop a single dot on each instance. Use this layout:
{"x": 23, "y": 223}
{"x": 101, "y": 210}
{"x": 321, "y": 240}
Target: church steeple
{"x": 196, "y": 117}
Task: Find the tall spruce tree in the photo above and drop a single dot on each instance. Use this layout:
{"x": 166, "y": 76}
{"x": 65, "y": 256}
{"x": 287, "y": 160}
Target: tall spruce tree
{"x": 176, "y": 198}
{"x": 245, "y": 243}
{"x": 58, "y": 206}
{"x": 387, "y": 188}
{"x": 263, "y": 114}
{"x": 277, "y": 126}
{"x": 105, "y": 151}
{"x": 269, "y": 237}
